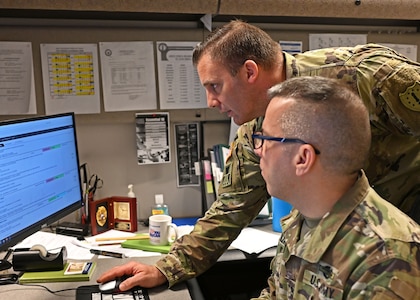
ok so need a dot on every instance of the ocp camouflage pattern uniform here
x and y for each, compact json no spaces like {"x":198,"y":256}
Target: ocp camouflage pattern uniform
{"x":364,"y":248}
{"x":389,"y":85}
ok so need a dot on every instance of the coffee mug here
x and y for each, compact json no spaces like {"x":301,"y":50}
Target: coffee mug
{"x":162,"y":231}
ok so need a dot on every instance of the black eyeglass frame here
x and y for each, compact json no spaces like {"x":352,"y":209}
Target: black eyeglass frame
{"x":258,"y":136}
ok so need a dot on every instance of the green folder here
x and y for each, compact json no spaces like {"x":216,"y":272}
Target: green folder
{"x":55,"y":276}
{"x":145,"y":245}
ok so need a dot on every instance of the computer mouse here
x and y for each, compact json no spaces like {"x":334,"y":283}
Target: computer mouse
{"x":111,"y":287}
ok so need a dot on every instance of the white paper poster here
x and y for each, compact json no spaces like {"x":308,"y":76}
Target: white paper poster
{"x":71,"y":78}
{"x":326,"y":40}
{"x":179,"y":84}
{"x":152,"y":134}
{"x":128,"y":76}
{"x":408,"y":50}
{"x":17,"y":86}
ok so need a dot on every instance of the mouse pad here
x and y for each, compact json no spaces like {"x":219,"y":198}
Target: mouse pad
{"x":145,"y":245}
{"x":89,"y":292}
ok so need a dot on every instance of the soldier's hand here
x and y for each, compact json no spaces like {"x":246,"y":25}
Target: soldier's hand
{"x":146,"y":276}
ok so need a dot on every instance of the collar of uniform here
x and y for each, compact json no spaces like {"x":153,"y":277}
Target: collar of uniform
{"x":315,"y":243}
{"x":291,"y":65}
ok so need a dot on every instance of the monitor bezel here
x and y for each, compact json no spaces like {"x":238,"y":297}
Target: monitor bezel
{"x":53,"y":218}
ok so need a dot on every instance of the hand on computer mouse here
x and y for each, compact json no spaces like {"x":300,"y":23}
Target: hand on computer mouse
{"x":112,"y":287}
{"x":146,"y":276}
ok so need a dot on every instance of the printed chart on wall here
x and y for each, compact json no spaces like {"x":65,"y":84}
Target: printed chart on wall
{"x":179,"y":84}
{"x":152,"y":134}
{"x":128,"y":76}
{"x":70,"y":77}
{"x":187,"y":150}
{"x":326,"y":40}
{"x":17,"y":84}
{"x":406,"y":49}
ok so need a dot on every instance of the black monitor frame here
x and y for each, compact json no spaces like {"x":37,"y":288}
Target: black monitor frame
{"x":18,"y":236}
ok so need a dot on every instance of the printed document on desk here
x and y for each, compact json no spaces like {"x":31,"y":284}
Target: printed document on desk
{"x":252,"y":240}
{"x":116,"y":244}
{"x":111,"y":245}
{"x":80,"y":250}
{"x":53,"y":243}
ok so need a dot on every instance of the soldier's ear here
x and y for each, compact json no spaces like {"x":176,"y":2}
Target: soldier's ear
{"x":251,"y":69}
{"x":304,"y":159}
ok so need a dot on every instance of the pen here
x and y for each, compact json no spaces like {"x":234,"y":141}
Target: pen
{"x":107,"y":253}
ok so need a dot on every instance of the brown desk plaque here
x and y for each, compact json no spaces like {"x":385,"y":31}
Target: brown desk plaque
{"x":113,"y":213}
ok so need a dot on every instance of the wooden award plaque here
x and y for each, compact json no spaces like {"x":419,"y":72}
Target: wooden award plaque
{"x":113,"y":213}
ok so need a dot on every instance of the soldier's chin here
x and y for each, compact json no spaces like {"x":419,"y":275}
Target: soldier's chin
{"x":235,"y":118}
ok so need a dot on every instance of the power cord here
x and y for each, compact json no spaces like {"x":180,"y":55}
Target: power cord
{"x":49,"y":290}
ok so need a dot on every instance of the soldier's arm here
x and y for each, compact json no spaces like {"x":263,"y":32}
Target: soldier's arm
{"x":392,"y":279}
{"x":242,"y":195}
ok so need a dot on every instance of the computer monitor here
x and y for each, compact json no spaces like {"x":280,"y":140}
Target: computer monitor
{"x":39,"y":175}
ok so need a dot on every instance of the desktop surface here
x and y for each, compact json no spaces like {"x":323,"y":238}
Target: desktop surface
{"x":17,"y":291}
{"x":216,"y":283}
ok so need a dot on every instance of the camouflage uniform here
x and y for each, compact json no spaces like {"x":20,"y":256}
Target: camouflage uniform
{"x":365,"y":248}
{"x":390,"y":87}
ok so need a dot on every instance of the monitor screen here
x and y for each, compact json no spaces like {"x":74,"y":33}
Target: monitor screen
{"x":39,"y":175}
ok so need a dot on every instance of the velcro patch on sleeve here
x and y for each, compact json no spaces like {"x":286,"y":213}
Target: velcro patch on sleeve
{"x":411,"y":97}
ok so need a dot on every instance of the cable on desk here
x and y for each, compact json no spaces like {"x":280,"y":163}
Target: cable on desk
{"x":48,"y":290}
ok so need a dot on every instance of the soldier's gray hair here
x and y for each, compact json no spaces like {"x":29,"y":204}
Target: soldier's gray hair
{"x":328,"y":115}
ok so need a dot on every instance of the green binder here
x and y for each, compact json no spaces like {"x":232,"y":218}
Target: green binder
{"x":145,"y":245}
{"x":55,"y":276}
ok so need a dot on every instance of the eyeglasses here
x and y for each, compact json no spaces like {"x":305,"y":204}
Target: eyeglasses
{"x":258,"y":139}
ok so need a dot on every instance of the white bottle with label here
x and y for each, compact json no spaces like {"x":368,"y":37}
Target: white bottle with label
{"x":132,"y":195}
{"x":160,"y":208}
{"x":130,"y":191}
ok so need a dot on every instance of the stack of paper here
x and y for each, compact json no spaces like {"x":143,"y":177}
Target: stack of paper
{"x":255,"y":241}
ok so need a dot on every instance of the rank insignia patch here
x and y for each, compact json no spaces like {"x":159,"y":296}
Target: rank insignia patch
{"x":227,"y":180}
{"x":227,"y":177}
{"x":411,"y":97}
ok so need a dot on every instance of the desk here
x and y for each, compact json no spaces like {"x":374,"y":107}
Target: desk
{"x":235,"y":272}
{"x":15,"y":291}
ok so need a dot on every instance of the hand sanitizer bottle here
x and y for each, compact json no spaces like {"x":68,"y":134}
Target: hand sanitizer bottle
{"x":160,"y":208}
{"x":130,"y":191}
